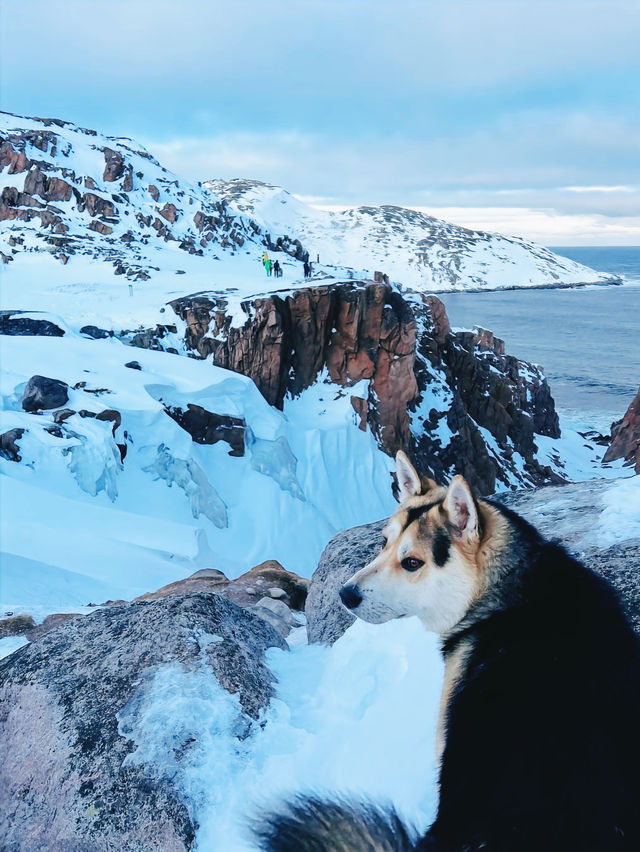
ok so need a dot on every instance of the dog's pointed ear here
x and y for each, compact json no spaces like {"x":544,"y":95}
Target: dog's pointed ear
{"x":462,"y":509}
{"x":409,"y":483}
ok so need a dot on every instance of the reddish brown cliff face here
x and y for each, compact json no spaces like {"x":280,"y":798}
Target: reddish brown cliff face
{"x":404,"y":346}
{"x":625,"y":436}
{"x":354,"y":331}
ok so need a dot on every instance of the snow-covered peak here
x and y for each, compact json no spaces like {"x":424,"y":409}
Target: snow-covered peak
{"x":410,"y":246}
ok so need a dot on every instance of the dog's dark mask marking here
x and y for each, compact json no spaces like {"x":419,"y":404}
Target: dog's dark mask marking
{"x":440,"y":548}
{"x":418,"y":511}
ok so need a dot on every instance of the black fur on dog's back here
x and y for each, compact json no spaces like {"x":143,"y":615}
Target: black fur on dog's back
{"x":542,"y":750}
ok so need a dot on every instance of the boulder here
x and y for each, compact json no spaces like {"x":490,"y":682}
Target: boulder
{"x":13,"y":323}
{"x":96,"y":333}
{"x":268,"y":580}
{"x":114,"y":165}
{"x":345,"y":554}
{"x":205,"y":427}
{"x":133,"y":365}
{"x":625,"y":437}
{"x":42,"y":392}
{"x":9,"y":448}
{"x":65,"y":783}
{"x":205,"y":580}
{"x":16,"y":625}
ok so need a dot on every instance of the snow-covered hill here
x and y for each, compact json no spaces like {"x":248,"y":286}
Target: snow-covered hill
{"x":417,"y":250}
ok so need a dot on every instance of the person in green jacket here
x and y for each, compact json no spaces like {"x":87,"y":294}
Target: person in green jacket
{"x":267,"y":266}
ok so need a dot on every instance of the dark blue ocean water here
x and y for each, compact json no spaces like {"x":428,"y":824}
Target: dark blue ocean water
{"x":587,"y":339}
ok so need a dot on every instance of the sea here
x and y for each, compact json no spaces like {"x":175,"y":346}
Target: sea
{"x":586,"y":338}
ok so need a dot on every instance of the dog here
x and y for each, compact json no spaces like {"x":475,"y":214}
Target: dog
{"x":538,"y":737}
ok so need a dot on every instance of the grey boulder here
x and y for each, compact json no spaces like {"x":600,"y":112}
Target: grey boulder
{"x":64,"y":783}
{"x":42,"y":392}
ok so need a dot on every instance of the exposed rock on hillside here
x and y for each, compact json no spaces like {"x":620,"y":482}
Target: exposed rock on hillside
{"x":431,"y":391}
{"x":65,"y":781}
{"x":569,"y":513}
{"x":42,"y":392}
{"x":625,"y":437}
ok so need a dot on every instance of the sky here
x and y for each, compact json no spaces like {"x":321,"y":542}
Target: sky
{"x":510,"y":115}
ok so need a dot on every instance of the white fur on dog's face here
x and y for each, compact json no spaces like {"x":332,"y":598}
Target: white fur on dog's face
{"x":439,"y":594}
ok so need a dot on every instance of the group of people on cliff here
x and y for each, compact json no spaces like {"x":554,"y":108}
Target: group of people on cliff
{"x":273,"y":268}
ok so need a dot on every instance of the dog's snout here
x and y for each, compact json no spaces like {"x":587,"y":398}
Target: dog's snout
{"x":351,"y":596}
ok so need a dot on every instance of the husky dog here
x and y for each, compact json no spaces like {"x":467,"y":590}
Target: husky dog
{"x":539,"y":731}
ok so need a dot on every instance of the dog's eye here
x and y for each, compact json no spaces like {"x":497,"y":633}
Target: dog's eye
{"x":411,"y":564}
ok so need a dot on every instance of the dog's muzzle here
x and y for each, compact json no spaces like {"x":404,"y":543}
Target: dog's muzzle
{"x":350,"y":596}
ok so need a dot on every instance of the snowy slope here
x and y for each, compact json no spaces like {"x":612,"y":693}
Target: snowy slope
{"x":78,"y":526}
{"x":412,"y":248}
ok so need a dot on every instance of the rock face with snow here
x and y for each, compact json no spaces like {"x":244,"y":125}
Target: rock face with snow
{"x":455,"y":401}
{"x":65,"y":780}
{"x":625,"y":437}
{"x":569,"y":513}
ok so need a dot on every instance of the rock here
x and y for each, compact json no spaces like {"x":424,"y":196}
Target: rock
{"x":169,"y":212}
{"x":16,"y":625}
{"x":9,"y":448}
{"x":133,"y":365}
{"x":64,"y":780}
{"x":13,"y":323}
{"x":100,"y":227}
{"x":51,"y":622}
{"x":205,"y":580}
{"x":569,"y":513}
{"x":42,"y":392}
{"x":277,"y":614}
{"x":114,"y":165}
{"x":205,"y":427}
{"x":62,"y":414}
{"x":154,"y":192}
{"x":625,"y":437}
{"x":259,"y":582}
{"x":96,"y":333}
{"x":345,"y":554}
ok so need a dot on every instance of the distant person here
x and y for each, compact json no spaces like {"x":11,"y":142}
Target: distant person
{"x":265,"y":258}
{"x":267,"y":266}
{"x":310,"y":269}
{"x":277,"y":270}
{"x":307,"y":269}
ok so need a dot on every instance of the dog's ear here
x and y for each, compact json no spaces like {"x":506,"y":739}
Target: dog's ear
{"x":409,"y":483}
{"x":462,"y":510}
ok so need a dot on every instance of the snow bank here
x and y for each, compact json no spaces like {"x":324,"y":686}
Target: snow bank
{"x":355,"y":719}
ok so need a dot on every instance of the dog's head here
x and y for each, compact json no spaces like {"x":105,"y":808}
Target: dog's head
{"x":429,"y":564}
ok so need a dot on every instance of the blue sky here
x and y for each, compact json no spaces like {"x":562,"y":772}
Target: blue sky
{"x":511,"y":114}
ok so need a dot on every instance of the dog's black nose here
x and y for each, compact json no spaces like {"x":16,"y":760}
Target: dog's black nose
{"x":351,"y":596}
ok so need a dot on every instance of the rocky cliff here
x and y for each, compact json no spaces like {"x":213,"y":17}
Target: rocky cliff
{"x":454,"y":400}
{"x":625,"y":437}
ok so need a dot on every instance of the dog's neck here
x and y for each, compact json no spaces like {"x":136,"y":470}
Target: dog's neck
{"x":502,"y":555}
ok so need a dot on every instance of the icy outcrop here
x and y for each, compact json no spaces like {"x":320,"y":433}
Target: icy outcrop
{"x":190,"y":478}
{"x":275,"y":459}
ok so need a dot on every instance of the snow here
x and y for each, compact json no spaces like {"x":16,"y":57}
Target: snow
{"x":620,"y":518}
{"x":357,"y":718}
{"x":9,"y":644}
{"x":86,"y":528}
